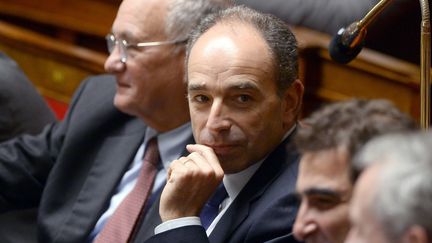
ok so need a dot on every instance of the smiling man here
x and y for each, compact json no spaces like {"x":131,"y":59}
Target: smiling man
{"x":327,"y":140}
{"x":244,"y":99}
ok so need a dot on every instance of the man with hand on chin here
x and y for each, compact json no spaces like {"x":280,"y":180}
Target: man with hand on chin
{"x":244,"y":98}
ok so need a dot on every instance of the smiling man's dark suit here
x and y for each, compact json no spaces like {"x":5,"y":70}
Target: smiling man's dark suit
{"x":263,"y":211}
{"x":73,"y":167}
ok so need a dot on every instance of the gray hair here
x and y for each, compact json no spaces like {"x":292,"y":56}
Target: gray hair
{"x":279,"y":38}
{"x":184,"y":15}
{"x":404,"y":192}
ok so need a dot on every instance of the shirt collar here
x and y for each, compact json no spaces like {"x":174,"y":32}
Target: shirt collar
{"x":171,"y":144}
{"x":234,"y":183}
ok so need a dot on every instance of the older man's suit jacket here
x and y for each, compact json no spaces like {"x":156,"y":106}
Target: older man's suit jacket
{"x":72,"y":168}
{"x":22,"y":111}
{"x":263,"y":211}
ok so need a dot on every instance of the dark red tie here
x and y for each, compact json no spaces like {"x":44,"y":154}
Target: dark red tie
{"x":120,"y":226}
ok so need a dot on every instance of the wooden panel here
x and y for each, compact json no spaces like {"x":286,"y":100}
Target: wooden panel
{"x":370,"y":75}
{"x":82,"y":16}
{"x":56,"y":68}
{"x":80,"y":22}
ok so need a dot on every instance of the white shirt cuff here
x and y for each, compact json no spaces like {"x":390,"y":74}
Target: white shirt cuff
{"x":177,"y":223}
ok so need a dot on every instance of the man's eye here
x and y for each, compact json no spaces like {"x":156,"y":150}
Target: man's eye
{"x":201,"y":98}
{"x":244,"y":98}
{"x":133,"y":48}
{"x":324,"y":203}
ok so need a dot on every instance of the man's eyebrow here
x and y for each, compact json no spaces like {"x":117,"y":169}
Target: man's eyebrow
{"x":126,"y":35}
{"x":323,"y":192}
{"x":193,"y":87}
{"x":234,"y":86}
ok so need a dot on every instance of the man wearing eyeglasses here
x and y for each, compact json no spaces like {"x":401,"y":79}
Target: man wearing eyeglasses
{"x":80,"y":172}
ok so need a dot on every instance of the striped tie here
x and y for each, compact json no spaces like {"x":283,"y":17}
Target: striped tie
{"x":120,"y":228}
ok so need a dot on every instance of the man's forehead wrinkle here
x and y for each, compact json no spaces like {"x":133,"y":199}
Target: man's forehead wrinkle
{"x":240,"y":69}
{"x":130,"y":34}
{"x":139,"y":26}
{"x":245,"y":68}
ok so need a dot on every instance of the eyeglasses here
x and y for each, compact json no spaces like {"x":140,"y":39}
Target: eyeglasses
{"x":112,"y":42}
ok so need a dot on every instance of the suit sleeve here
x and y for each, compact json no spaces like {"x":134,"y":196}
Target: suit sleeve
{"x":22,"y":108}
{"x":26,"y":161}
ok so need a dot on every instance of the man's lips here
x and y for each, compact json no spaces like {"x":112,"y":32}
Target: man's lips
{"x":222,"y":149}
{"x":123,"y":83}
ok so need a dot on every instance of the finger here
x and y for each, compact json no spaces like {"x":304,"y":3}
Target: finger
{"x":177,"y":170}
{"x":208,"y":154}
{"x":202,"y":163}
{"x":188,"y":162}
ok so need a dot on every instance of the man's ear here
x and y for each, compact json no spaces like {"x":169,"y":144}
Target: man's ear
{"x":293,"y":98}
{"x":416,"y":234}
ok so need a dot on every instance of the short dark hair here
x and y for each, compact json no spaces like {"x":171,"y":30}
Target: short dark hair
{"x":279,"y":38}
{"x":349,"y":125}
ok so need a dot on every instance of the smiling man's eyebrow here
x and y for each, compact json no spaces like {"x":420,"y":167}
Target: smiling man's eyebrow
{"x":322,"y":191}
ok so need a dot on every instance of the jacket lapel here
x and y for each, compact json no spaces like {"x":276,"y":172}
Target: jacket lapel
{"x":152,"y":217}
{"x":238,"y":211}
{"x":113,"y":159}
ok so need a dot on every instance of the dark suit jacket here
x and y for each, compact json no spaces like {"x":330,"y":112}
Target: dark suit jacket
{"x":264,"y":210}
{"x":72,"y":168}
{"x":22,"y":110}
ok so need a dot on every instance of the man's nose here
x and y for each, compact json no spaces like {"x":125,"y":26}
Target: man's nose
{"x":304,"y":225}
{"x":218,"y":119}
{"x":113,"y":63}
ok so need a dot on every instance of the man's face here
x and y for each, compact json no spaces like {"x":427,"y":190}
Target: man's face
{"x":364,"y":224}
{"x":233,"y":100}
{"x":151,"y":80}
{"x":325,"y":188}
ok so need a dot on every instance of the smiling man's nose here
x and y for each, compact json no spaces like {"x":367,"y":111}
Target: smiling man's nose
{"x":113,"y":63}
{"x":303,"y":225}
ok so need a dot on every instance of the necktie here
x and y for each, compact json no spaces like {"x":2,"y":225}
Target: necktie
{"x":211,"y":208}
{"x":120,"y":226}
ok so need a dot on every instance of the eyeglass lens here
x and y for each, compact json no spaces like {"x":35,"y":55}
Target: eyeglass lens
{"x":112,"y":42}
